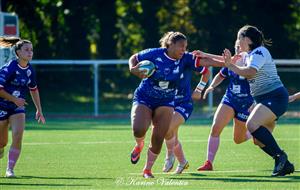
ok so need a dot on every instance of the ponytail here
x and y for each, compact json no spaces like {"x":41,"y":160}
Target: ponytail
{"x":9,"y":41}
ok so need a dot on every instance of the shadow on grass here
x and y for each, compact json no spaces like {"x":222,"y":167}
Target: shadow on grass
{"x":42,"y":185}
{"x":79,"y":178}
{"x":70,"y":128}
{"x":12,"y":182}
{"x":241,"y":178}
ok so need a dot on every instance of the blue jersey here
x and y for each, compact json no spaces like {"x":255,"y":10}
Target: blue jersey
{"x":184,"y":92}
{"x":16,"y":80}
{"x":163,"y":83}
{"x":238,"y":86}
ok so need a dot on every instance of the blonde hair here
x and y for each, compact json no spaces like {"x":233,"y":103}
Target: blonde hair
{"x":171,"y":37}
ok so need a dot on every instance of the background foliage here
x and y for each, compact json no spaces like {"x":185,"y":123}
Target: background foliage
{"x":65,"y":29}
{"x":115,"y":29}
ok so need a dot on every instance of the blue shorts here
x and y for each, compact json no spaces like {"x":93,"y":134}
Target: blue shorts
{"x":185,"y":109}
{"x":240,"y":106}
{"x":150,"y":102}
{"x":276,"y":100}
{"x":6,"y":113}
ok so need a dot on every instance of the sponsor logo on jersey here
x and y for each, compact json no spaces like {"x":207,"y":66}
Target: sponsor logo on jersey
{"x":28,"y":72}
{"x":167,"y":71}
{"x":2,"y":113}
{"x":258,"y":52}
{"x":158,"y":59}
{"x":175,"y":71}
{"x":16,"y":93}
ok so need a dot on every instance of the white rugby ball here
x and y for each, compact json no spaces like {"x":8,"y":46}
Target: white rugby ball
{"x":147,"y":66}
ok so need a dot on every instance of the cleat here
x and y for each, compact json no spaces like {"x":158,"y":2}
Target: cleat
{"x":147,"y":174}
{"x":1,"y":152}
{"x":135,"y":154}
{"x":207,"y":166}
{"x":280,"y":161}
{"x":287,"y":169}
{"x":169,"y":163}
{"x":10,"y":173}
{"x":182,"y":167}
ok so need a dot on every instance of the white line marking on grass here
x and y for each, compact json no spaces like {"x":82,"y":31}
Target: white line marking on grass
{"x":202,"y":172}
{"x":129,"y":142}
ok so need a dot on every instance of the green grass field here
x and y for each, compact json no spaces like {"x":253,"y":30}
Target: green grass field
{"x":95,"y":155}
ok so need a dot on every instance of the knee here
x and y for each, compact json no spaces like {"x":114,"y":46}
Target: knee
{"x":17,"y":136}
{"x":138,"y":132}
{"x":238,"y":140}
{"x":169,"y":135}
{"x":251,"y":125}
{"x":3,"y":144}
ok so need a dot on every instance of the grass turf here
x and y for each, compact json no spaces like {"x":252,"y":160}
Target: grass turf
{"x":95,"y":155}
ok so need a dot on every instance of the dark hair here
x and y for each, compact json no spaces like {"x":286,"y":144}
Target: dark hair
{"x":255,"y":35}
{"x":171,"y":37}
{"x":13,"y":41}
{"x":20,"y":43}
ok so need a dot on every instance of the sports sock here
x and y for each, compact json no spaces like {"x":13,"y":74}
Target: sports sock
{"x":267,"y":150}
{"x":178,"y":151}
{"x":170,"y":146}
{"x":212,"y":147}
{"x":248,"y":135}
{"x":264,"y":136}
{"x":151,"y":157}
{"x":13,"y":156}
{"x":139,"y":141}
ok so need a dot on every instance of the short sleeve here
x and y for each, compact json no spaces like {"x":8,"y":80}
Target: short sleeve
{"x":224,"y":72}
{"x":32,"y":79}
{"x":257,"y":59}
{"x":146,"y":54}
{"x":5,"y":72}
{"x":190,"y":62}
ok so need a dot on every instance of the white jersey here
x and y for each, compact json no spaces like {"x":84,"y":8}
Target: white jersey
{"x":266,"y":78}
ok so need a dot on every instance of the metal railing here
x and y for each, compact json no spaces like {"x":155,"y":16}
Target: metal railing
{"x":96,"y":63}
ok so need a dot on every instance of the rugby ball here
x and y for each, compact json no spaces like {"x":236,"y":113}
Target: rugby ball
{"x":147,"y":66}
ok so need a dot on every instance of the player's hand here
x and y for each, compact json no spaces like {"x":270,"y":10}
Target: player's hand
{"x":208,"y":90}
{"x":227,"y":57}
{"x":20,"y":102}
{"x":137,"y":72}
{"x":196,"y":95}
{"x":40,"y":117}
{"x":292,"y":98}
{"x":198,"y":53}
